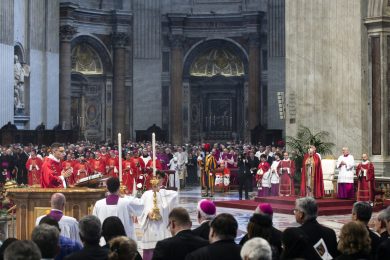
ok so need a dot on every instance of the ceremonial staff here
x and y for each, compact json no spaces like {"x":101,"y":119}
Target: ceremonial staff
{"x":154,"y":182}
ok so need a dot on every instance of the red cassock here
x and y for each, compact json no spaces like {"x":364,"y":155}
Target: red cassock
{"x":264,"y":166}
{"x":51,"y":172}
{"x":98,"y":166}
{"x":128,"y":176}
{"x":286,"y":169}
{"x":104,"y":157}
{"x":149,"y":172}
{"x":80,"y":170}
{"x":317,"y":180}
{"x":34,"y":168}
{"x":366,"y":181}
{"x":112,"y":166}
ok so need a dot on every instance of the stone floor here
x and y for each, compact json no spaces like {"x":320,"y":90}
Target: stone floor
{"x":189,"y":197}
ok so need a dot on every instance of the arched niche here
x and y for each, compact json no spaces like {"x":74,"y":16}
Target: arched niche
{"x":91,"y":88}
{"x":214,"y":82}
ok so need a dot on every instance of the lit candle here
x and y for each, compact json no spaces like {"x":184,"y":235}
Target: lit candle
{"x":120,"y":156}
{"x":154,"y":153}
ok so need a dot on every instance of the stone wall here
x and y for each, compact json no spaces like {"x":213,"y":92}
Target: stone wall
{"x":31,"y":27}
{"x":326,"y":61}
{"x":6,"y":61}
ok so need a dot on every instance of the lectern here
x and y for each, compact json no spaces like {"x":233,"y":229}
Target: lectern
{"x":34,"y":202}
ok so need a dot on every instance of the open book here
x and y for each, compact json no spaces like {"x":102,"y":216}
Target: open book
{"x":322,"y":250}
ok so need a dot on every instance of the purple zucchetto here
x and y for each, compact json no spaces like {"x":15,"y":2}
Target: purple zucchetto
{"x":207,"y":208}
{"x":264,"y":208}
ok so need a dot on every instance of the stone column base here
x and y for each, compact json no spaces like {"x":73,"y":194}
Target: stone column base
{"x":382,"y":165}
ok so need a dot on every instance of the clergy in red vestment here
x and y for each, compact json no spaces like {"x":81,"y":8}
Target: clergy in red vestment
{"x":366,"y":180}
{"x":286,"y":169}
{"x":263,"y":177}
{"x":149,"y":172}
{"x":98,"y":165}
{"x":53,"y":176}
{"x":34,"y":167}
{"x":103,"y":154}
{"x":81,"y":169}
{"x":68,"y":165}
{"x":112,"y":165}
{"x":312,"y":181}
{"x":128,"y":176}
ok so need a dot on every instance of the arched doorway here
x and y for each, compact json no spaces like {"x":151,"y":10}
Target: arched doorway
{"x":215,"y":85}
{"x":91,"y":99}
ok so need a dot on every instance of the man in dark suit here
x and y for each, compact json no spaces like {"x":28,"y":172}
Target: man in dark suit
{"x":21,"y":160}
{"x":90,"y":232}
{"x":383,"y":250}
{"x":276,"y":235}
{"x":223,"y":231}
{"x":182,"y":242}
{"x":244,"y":175}
{"x":47,"y":239}
{"x":206,"y":213}
{"x":253,"y":162}
{"x":361,"y":212}
{"x":306,"y":211}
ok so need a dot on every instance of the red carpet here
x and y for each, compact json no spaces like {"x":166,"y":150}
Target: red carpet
{"x":327,"y":206}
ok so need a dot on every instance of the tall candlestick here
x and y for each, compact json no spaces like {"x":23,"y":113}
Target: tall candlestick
{"x":154,"y":153}
{"x":120,"y":156}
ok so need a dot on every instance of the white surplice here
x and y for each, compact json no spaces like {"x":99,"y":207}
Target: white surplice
{"x":346,"y":171}
{"x":155,"y":231}
{"x":124,"y":209}
{"x":68,"y":225}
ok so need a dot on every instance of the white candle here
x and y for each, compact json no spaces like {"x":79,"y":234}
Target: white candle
{"x":154,"y":153}
{"x":120,"y":156}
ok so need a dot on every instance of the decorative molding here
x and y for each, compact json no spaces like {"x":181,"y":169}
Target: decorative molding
{"x":177,"y":41}
{"x":254,"y":40}
{"x":67,"y":32}
{"x":119,"y":39}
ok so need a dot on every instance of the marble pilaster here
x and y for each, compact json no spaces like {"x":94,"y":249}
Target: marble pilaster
{"x":176,"y":89}
{"x":254,"y":81}
{"x":377,"y":23}
{"x":66,"y":35}
{"x":120,"y":40}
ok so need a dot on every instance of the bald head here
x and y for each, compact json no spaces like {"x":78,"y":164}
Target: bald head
{"x":58,"y":201}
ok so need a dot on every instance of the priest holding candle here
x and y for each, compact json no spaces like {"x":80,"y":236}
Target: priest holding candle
{"x":157,"y":205}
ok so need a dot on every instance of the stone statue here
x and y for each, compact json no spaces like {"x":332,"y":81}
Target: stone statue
{"x":20,"y":72}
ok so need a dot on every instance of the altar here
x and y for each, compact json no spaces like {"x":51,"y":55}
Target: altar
{"x":34,"y":202}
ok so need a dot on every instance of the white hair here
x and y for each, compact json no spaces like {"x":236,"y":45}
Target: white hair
{"x":256,"y":248}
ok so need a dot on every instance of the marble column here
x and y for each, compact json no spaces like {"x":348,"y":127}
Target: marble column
{"x":379,"y":86}
{"x":176,"y":117}
{"x":119,"y":40}
{"x":254,"y":81}
{"x":66,"y":35}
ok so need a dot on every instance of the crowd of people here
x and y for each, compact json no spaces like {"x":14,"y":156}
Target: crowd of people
{"x":109,"y":234}
{"x":192,"y":164}
{"x":269,"y":168}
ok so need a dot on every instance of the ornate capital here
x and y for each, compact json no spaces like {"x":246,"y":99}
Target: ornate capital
{"x":119,"y":39}
{"x":176,"y":40}
{"x":67,"y":32}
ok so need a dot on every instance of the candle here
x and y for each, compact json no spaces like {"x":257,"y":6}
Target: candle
{"x":154,"y":153}
{"x":120,"y":156}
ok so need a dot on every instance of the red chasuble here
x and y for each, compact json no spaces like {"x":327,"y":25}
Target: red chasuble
{"x":286,"y":169}
{"x":51,"y":172}
{"x":366,"y":184}
{"x":34,"y":168}
{"x":317,"y":180}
